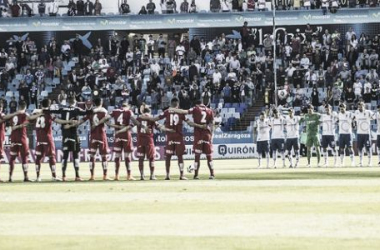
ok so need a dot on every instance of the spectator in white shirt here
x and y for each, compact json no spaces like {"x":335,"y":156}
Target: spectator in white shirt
{"x":234,"y":64}
{"x":155,"y":67}
{"x":358,"y":87}
{"x":216,"y":77}
{"x":305,"y":62}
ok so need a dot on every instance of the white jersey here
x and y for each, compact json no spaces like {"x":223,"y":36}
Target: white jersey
{"x":329,"y":123}
{"x":377,"y":117}
{"x":278,"y":125}
{"x":292,"y":127}
{"x":363,"y":122}
{"x":345,"y":122}
{"x":263,"y":129}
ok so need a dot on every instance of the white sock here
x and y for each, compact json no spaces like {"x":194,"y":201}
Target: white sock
{"x":370,"y":157}
{"x":274,"y":157}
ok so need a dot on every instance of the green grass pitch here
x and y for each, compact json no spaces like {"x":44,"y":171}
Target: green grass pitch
{"x":244,"y":208}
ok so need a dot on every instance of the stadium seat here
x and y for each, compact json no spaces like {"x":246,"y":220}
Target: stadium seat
{"x":235,"y":105}
{"x":241,"y":110}
{"x":56,"y":81}
{"x":32,"y":107}
{"x":9,"y":94}
{"x":44,"y":94}
{"x":243,"y":105}
{"x":227,"y":105}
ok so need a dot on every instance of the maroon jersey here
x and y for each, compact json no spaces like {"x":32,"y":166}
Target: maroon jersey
{"x":19,"y":135}
{"x":173,"y":121}
{"x":2,"y":130}
{"x":202,"y":115}
{"x":145,"y":136}
{"x":43,"y":128}
{"x":98,"y":133}
{"x":122,"y":118}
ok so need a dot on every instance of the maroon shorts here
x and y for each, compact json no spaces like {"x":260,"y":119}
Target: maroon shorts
{"x":175,"y":146}
{"x":21,"y":148}
{"x":45,"y":149}
{"x":123,"y":145}
{"x":99,"y":144}
{"x":202,"y":143}
{"x":147,"y":150}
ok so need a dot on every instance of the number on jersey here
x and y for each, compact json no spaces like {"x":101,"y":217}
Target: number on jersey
{"x":40,"y":122}
{"x":174,"y":119}
{"x":144,"y":124}
{"x":204,"y":114}
{"x":120,"y":119}
{"x":15,"y":120}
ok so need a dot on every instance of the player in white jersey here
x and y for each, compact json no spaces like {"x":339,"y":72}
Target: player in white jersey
{"x":262,"y":130}
{"x":377,"y":117}
{"x":363,"y":130}
{"x":278,"y":137}
{"x":329,"y":121}
{"x":292,"y":137}
{"x":345,"y":133}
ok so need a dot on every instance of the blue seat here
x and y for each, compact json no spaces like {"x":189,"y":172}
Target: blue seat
{"x":243,"y":105}
{"x":235,"y":105}
{"x":227,"y":105}
{"x":240,"y":110}
{"x":231,"y":120}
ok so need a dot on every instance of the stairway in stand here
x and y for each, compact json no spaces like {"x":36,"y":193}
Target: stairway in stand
{"x":249,"y":115}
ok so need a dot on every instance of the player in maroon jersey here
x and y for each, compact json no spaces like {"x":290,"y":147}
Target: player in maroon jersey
{"x":202,"y":136}
{"x":123,"y":140}
{"x":98,"y":137}
{"x":3,"y":119}
{"x":145,"y":142}
{"x":19,"y":145}
{"x":174,"y":140}
{"x":45,"y":144}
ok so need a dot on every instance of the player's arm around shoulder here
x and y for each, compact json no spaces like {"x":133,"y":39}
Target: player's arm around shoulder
{"x":179,"y":111}
{"x":36,"y":113}
{"x":162,"y":128}
{"x":9,"y":116}
{"x":123,"y":129}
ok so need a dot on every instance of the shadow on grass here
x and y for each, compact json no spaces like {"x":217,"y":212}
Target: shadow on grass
{"x":312,"y":175}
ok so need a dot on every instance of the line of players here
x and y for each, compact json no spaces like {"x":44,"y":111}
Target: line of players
{"x":272,"y":130}
{"x":71,"y":117}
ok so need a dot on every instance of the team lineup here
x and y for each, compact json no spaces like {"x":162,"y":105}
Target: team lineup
{"x":280,"y":133}
{"x":271,"y":132}
{"x":122,"y":120}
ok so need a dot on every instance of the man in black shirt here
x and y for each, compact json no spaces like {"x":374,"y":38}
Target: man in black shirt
{"x":124,"y":8}
{"x":80,"y":8}
{"x":70,"y":139}
{"x":151,"y":7}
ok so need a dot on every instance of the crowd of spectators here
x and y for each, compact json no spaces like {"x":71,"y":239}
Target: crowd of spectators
{"x":313,"y":67}
{"x":323,"y":67}
{"x":94,"y":7}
